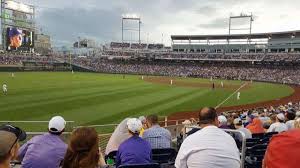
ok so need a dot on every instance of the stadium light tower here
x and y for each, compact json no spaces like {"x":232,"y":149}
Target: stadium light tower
{"x":132,"y":17}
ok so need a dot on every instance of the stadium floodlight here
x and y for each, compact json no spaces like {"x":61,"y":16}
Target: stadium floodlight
{"x":17,"y":6}
{"x":133,"y":17}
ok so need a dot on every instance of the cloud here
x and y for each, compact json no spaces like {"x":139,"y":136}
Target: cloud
{"x":65,"y":20}
{"x":215,"y":24}
{"x":70,"y":23}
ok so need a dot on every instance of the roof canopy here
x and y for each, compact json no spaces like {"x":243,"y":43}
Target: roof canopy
{"x":287,"y":34}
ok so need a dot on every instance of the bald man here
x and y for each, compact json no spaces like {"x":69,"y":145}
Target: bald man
{"x":209,"y":147}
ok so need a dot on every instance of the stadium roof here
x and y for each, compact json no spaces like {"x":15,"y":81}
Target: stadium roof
{"x":286,"y":34}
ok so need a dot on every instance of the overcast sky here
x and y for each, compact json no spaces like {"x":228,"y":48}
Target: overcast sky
{"x":66,"y":20}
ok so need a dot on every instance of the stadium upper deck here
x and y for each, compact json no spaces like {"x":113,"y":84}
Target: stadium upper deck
{"x":288,"y":41}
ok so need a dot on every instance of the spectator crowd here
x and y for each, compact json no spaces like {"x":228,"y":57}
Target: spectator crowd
{"x":284,"y":74}
{"x":207,"y":144}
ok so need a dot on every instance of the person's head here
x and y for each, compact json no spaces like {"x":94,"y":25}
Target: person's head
{"x":266,"y":125}
{"x":134,"y":126}
{"x":144,"y":121}
{"x":222,"y":120}
{"x":208,"y":116}
{"x":83,"y":149}
{"x":152,"y":120}
{"x":290,"y":115}
{"x":57,"y":125}
{"x":15,"y":37}
{"x":280,"y":118}
{"x":273,"y":118}
{"x":237,"y":123}
{"x":9,"y":143}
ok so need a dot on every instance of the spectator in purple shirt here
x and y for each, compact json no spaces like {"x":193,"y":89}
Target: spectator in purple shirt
{"x":47,"y":150}
{"x":134,"y":150}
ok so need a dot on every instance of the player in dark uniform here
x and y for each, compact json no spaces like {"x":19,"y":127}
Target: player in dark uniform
{"x":213,"y":85}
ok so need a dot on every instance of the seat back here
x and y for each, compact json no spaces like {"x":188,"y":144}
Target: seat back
{"x":258,"y":135}
{"x":150,"y":165}
{"x":252,"y":141}
{"x":166,"y":155}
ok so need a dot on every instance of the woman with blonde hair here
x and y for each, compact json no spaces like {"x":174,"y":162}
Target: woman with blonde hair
{"x":83,"y":150}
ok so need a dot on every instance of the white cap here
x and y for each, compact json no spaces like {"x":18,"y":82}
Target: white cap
{"x":222,"y":119}
{"x":280,"y":116}
{"x":134,"y":125}
{"x":57,"y":123}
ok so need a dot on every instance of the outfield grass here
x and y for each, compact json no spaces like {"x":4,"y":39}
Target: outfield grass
{"x":93,"y":98}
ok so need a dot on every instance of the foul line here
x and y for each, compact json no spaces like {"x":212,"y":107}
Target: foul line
{"x":231,"y":95}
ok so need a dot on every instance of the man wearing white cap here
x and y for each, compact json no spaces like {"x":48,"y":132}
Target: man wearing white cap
{"x":279,"y":125}
{"x":45,"y":150}
{"x":134,"y":150}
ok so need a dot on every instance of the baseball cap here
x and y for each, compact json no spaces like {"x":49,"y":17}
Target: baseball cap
{"x":9,"y":136}
{"x":280,"y":116}
{"x":57,"y":124}
{"x":134,"y":125}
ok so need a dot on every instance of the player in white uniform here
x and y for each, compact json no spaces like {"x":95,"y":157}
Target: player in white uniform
{"x":4,"y":88}
{"x":171,"y":82}
{"x":238,"y":95}
{"x":13,"y":75}
{"x":222,"y":84}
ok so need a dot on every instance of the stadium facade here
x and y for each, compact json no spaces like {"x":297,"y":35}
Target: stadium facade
{"x":276,"y":42}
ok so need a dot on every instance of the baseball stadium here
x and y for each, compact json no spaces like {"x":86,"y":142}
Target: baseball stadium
{"x":232,"y":100}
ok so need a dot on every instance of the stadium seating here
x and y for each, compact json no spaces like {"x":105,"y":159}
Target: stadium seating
{"x":151,"y":165}
{"x":164,"y":156}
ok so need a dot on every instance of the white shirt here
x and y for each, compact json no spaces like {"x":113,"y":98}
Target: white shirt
{"x":210,"y":147}
{"x":4,"y":87}
{"x":277,"y":127}
{"x":290,"y":124}
{"x":246,"y":132}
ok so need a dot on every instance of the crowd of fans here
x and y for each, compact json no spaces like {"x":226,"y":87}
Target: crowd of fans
{"x":289,"y":75}
{"x":142,"y":46}
{"x":207,"y":143}
{"x":11,"y":59}
{"x":288,"y":57}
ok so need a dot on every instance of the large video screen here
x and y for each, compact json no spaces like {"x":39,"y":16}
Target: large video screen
{"x":18,"y":39}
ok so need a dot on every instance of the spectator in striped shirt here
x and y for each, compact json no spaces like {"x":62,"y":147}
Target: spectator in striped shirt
{"x":157,"y":136}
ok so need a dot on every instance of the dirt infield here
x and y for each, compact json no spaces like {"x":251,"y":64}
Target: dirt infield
{"x":167,"y":80}
{"x":295,"y":97}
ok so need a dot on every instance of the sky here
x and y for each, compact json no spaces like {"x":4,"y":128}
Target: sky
{"x":68,"y":20}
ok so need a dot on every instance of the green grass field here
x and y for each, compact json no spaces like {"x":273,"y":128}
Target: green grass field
{"x":93,"y":98}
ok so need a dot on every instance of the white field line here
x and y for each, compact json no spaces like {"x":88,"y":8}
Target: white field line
{"x":224,"y":101}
